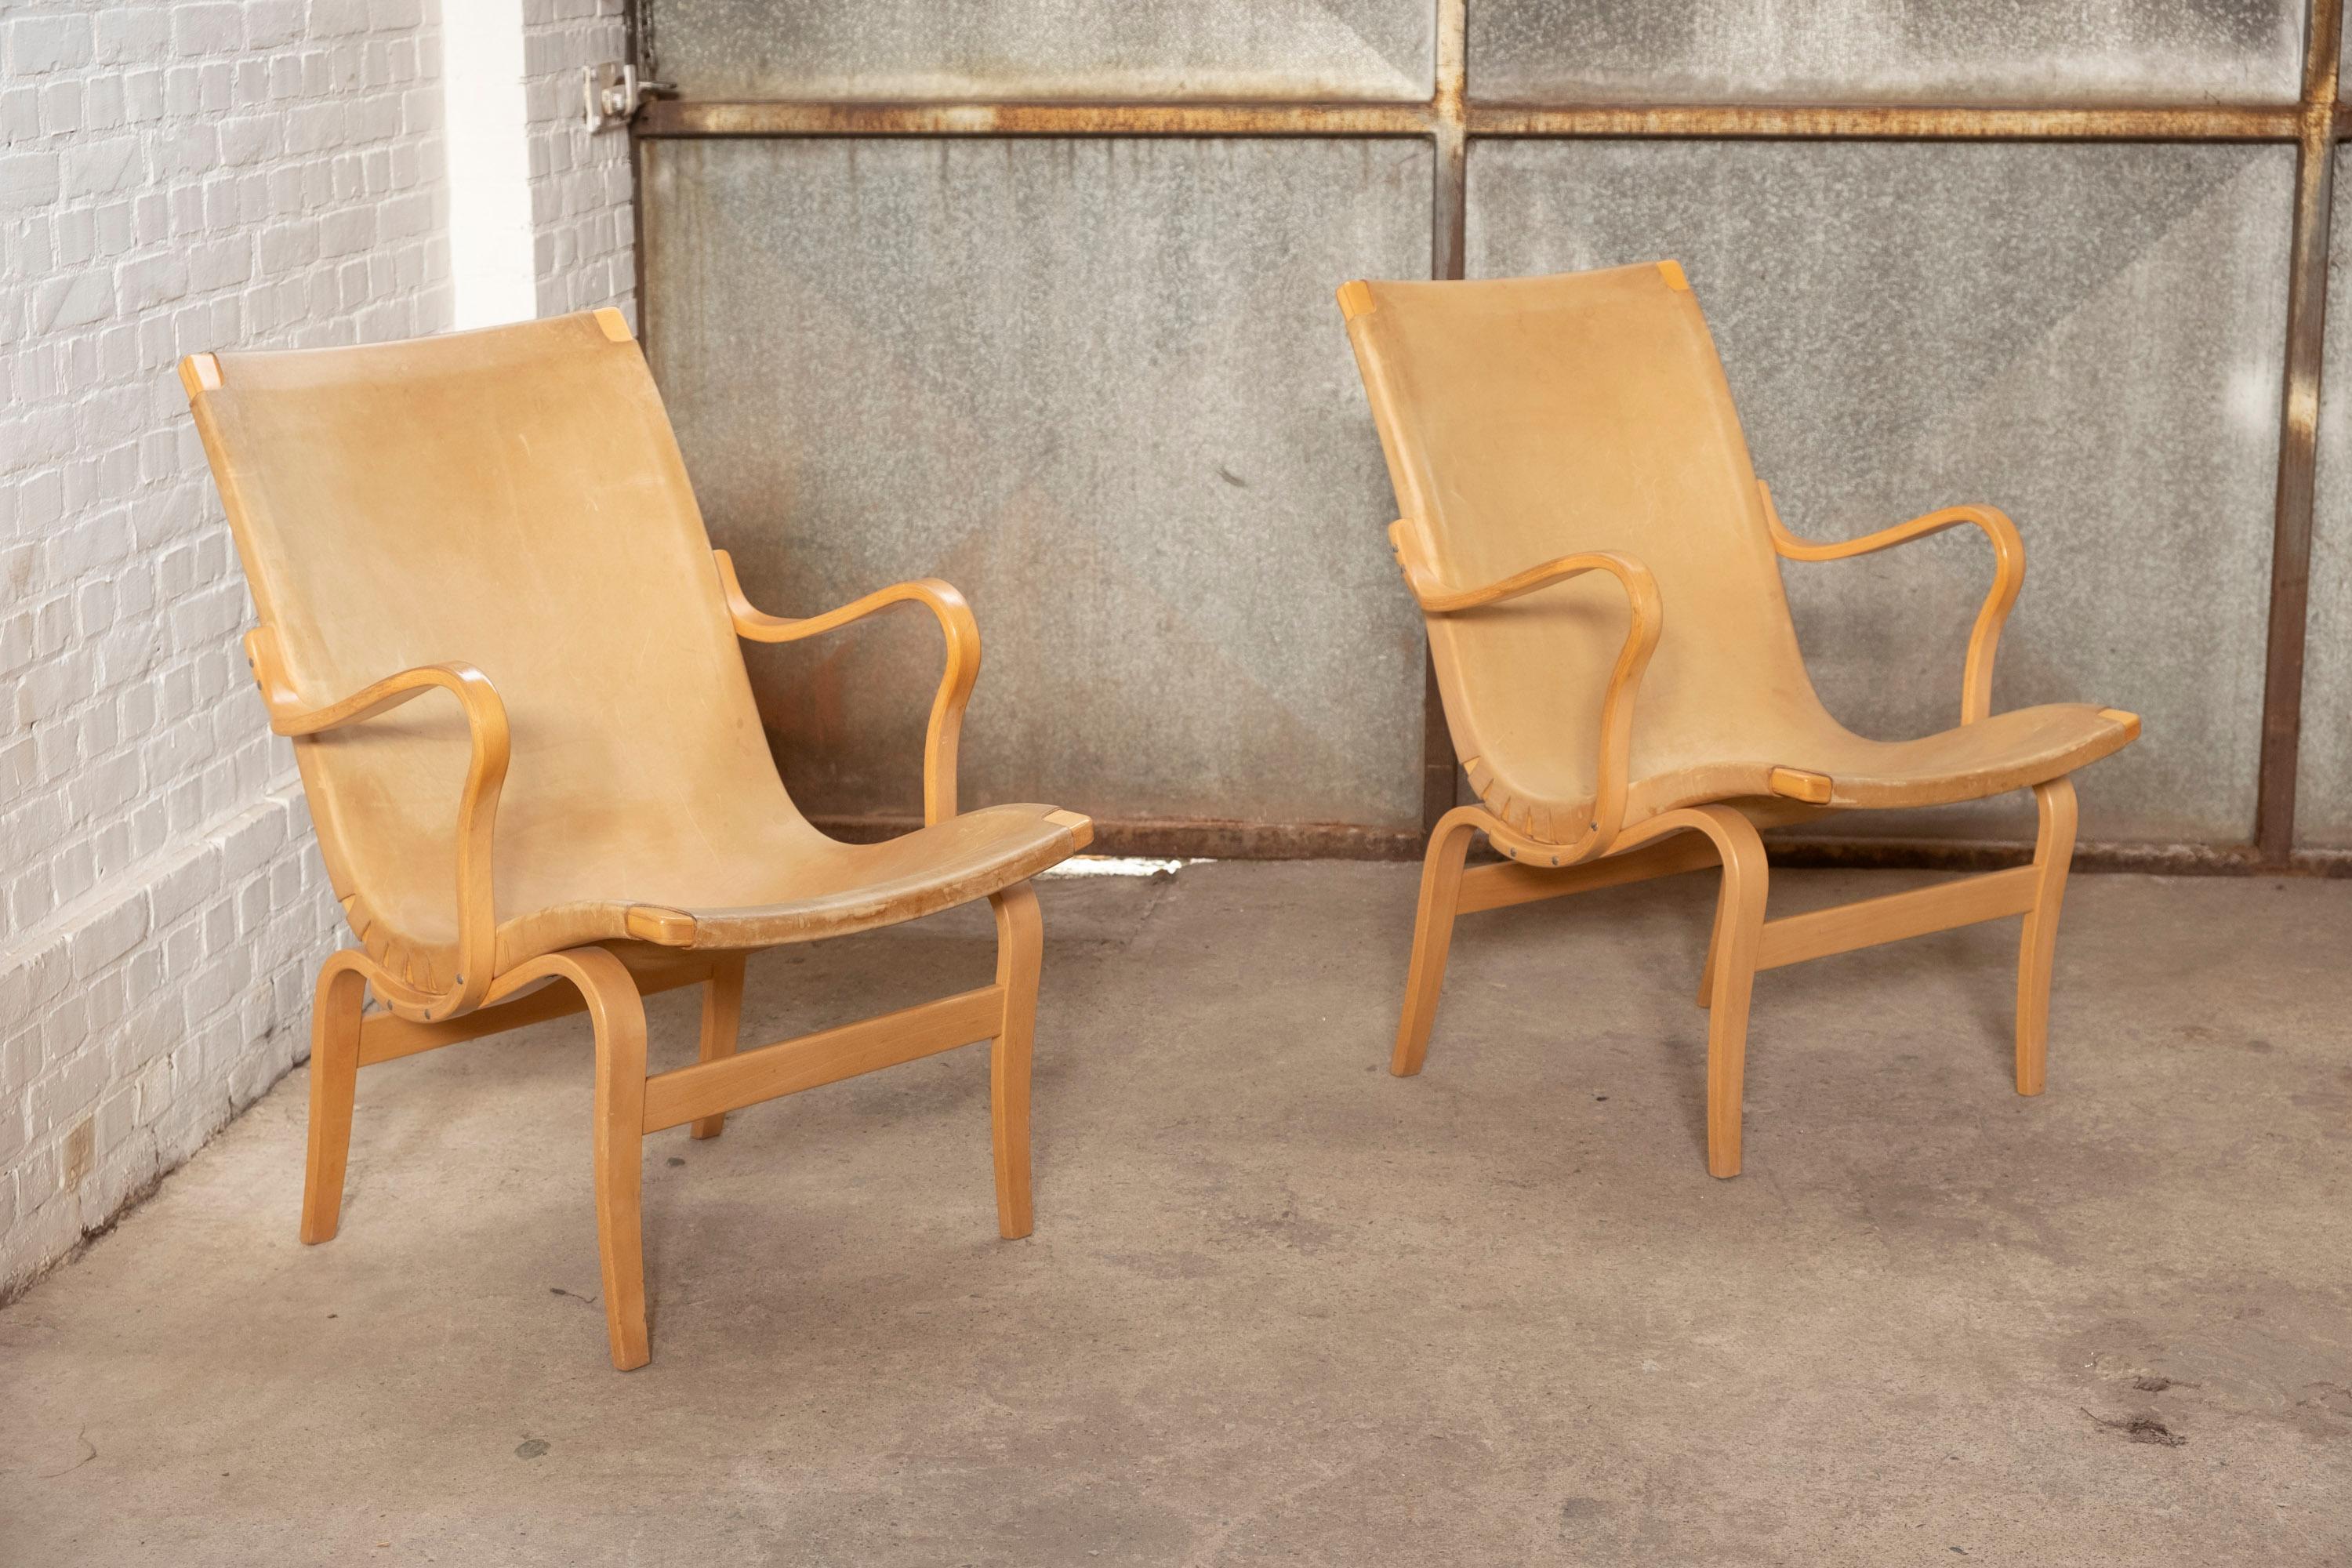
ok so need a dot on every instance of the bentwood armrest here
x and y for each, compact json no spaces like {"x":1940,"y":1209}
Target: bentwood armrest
{"x":2007,"y":577}
{"x":1612,"y":771}
{"x":477,"y":806}
{"x":955,"y":624}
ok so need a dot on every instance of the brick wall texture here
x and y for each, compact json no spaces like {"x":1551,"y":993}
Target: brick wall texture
{"x":180,"y":176}
{"x":583,"y":200}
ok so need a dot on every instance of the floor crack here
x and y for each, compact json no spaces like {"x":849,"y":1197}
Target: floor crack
{"x":89,"y":1452}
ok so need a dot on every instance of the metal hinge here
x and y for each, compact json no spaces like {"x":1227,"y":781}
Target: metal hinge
{"x":613,"y":94}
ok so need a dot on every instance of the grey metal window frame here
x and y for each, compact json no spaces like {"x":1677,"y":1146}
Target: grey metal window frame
{"x":1449,"y":121}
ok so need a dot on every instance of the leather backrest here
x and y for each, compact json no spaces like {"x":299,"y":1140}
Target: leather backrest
{"x":1526,"y":419}
{"x":512,"y":499}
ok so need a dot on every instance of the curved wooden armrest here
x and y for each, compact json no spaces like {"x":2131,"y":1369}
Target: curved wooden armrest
{"x":2007,"y":577}
{"x":1614,"y":772}
{"x":962,"y":633}
{"x":477,"y":806}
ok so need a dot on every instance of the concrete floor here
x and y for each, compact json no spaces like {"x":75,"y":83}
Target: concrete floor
{"x":1281,"y":1306}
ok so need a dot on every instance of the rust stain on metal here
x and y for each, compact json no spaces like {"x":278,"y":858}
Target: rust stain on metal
{"x":2323,"y":55}
{"x":1911,"y":122}
{"x":2318,"y":863}
{"x":777,"y":117}
{"x":1453,"y":84}
{"x":1449,"y":118}
{"x":1185,"y":840}
{"x":1996,"y":855}
{"x":1215,"y":840}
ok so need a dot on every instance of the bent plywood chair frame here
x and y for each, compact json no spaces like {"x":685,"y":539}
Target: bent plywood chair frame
{"x":1543,"y":431}
{"x":383,"y":498}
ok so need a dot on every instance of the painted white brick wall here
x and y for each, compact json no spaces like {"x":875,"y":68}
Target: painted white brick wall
{"x":584,"y":196}
{"x":177,"y":175}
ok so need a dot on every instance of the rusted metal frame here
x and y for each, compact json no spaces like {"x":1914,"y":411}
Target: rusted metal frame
{"x":638,"y":246}
{"x":637,"y":46}
{"x":779,"y":116}
{"x":2307,"y":325}
{"x":1888,"y":121}
{"x":1998,"y":854}
{"x":1191,"y":837}
{"x":1450,"y":120}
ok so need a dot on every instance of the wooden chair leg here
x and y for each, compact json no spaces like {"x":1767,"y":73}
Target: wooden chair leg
{"x":1706,"y":970}
{"x":617,"y":1137}
{"x":1020,"y":949}
{"x":722,"y":1019}
{"x":1731,"y":958}
{"x":335,"y":1010}
{"x":2054,"y":853}
{"x":1433,"y":936}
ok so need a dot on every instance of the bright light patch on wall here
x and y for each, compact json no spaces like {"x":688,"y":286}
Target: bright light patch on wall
{"x":2253,"y":395}
{"x":492,"y":270}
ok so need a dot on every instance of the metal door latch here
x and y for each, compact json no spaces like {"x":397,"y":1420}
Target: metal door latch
{"x":613,"y":93}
